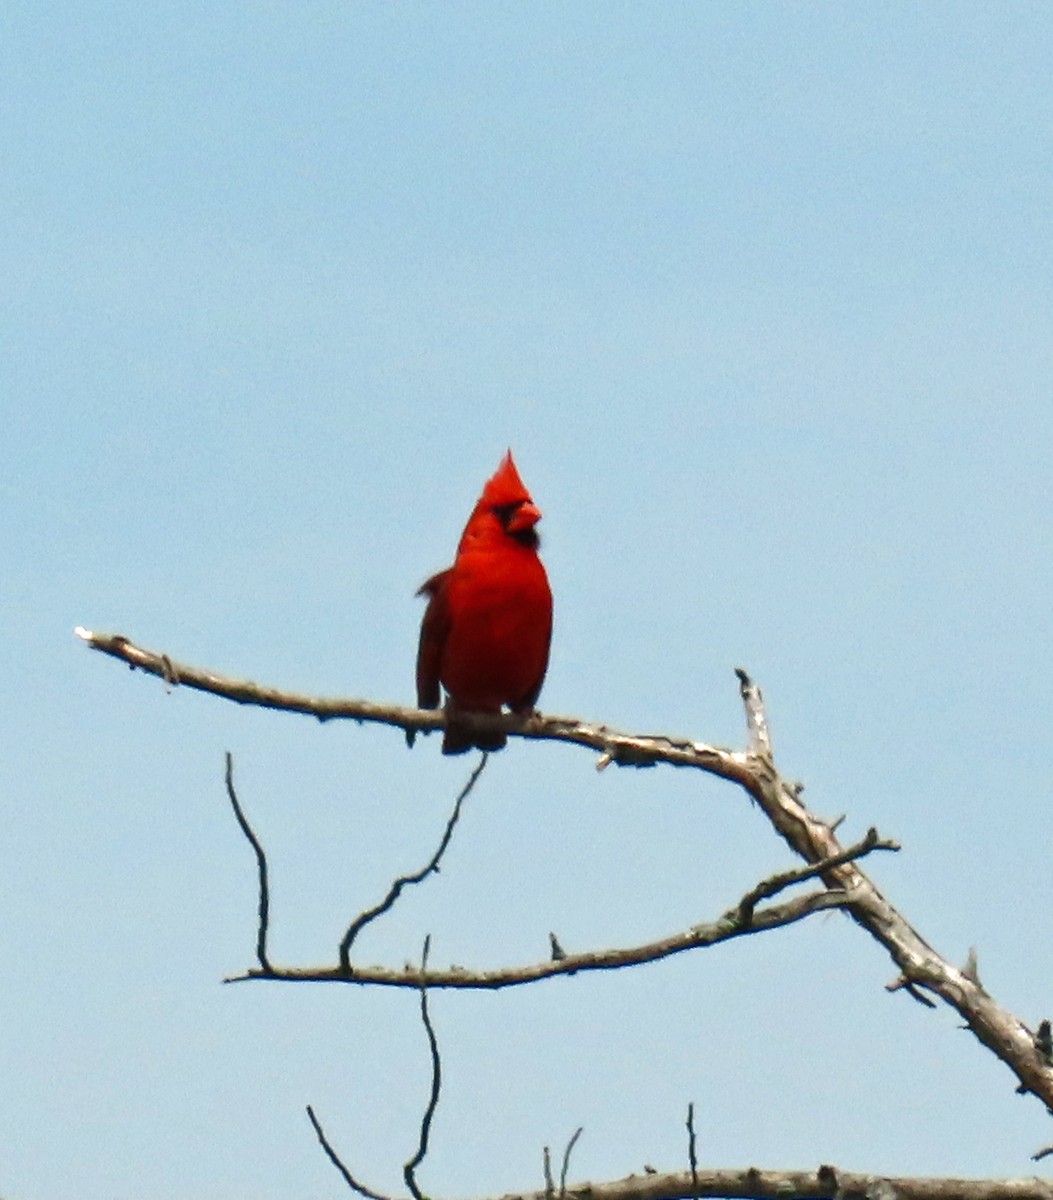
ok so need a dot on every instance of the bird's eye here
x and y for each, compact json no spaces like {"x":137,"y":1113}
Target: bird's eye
{"x":505,"y":512}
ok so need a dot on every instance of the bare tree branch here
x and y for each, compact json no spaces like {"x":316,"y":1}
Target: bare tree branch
{"x":692,"y":1150}
{"x":261,"y":863}
{"x":776,"y":883}
{"x":728,"y":926}
{"x":920,"y":965}
{"x":756,"y":717}
{"x":911,"y":990}
{"x":546,"y":1162}
{"x":620,"y":748}
{"x":754,"y":1184}
{"x":371,"y":914}
{"x":335,"y":1159}
{"x":566,"y":1159}
{"x":739,"y":920}
{"x":922,"y":968}
{"x":409,"y":1172}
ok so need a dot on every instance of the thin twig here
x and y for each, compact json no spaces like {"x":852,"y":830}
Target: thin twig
{"x":904,"y":984}
{"x":692,"y":1155}
{"x":261,"y":863}
{"x":371,"y":914}
{"x":410,"y":1169}
{"x":776,"y":883}
{"x":334,"y":1158}
{"x":546,"y":1160}
{"x":566,"y":1160}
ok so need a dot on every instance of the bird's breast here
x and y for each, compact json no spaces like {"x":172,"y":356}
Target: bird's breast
{"x":500,"y":608}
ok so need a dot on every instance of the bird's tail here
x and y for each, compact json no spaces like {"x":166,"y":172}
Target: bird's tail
{"x":458,"y":738}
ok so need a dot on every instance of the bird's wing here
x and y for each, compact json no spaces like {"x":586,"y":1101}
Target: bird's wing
{"x":434,"y":630}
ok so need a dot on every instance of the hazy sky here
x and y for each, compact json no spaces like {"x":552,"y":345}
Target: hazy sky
{"x":761,"y":296}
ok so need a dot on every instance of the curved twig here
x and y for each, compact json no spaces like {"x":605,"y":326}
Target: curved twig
{"x":261,"y":864}
{"x":337,"y":1162}
{"x":784,"y":879}
{"x":566,"y":1159}
{"x":371,"y":914}
{"x":409,"y":1171}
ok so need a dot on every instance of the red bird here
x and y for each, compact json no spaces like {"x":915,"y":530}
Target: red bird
{"x":487,"y":628}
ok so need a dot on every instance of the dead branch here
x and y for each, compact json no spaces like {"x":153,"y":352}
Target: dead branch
{"x":335,"y":1159}
{"x":754,"y":1184}
{"x":409,"y":1172}
{"x":546,"y":1160}
{"x":410,"y":1168}
{"x":742,"y":918}
{"x":756,"y":717}
{"x":403,"y":881}
{"x":620,"y":748}
{"x":921,"y":967}
{"x":261,"y":866}
{"x":566,"y":1159}
{"x":728,"y":926}
{"x":364,"y":918}
{"x":784,"y":879}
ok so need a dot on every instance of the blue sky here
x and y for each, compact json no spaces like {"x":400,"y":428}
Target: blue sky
{"x":760,"y":296}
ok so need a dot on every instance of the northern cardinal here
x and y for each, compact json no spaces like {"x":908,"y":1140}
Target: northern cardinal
{"x":486,"y":631}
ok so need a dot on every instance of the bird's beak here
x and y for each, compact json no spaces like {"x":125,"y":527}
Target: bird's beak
{"x":526,"y":515}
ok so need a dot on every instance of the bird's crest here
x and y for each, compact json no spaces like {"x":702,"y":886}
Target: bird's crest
{"x":504,"y":486}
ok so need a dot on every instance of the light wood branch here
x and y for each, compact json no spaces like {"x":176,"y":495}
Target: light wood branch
{"x":921,"y":969}
{"x":739,"y":920}
{"x":754,"y":1184}
{"x":456,"y":977}
{"x":622,"y":749}
{"x":742,"y":918}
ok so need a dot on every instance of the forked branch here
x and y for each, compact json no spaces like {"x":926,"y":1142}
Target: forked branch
{"x":743,"y":917}
{"x":921,"y":969}
{"x":409,"y":1171}
{"x":404,"y":881}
